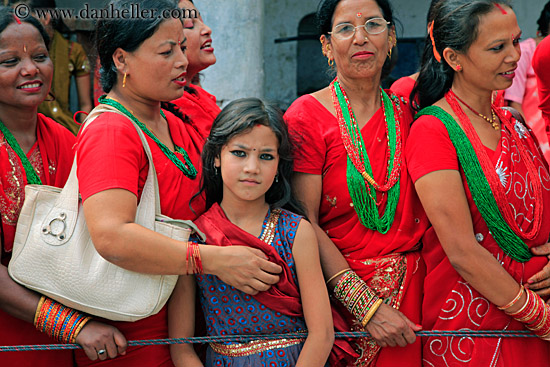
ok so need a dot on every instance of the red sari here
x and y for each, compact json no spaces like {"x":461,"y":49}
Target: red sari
{"x":200,"y":106}
{"x":52,"y":158}
{"x":110,"y":155}
{"x":450,"y":303}
{"x":389,"y":263}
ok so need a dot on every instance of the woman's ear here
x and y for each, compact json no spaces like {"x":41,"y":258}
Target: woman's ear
{"x":327,"y":47}
{"x":451,"y":57}
{"x":120,"y":60}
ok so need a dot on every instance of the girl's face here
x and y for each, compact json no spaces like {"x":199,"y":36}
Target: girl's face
{"x":25,"y":68}
{"x":490,"y":61}
{"x":199,"y":41}
{"x":248,"y":165}
{"x":157,"y":69}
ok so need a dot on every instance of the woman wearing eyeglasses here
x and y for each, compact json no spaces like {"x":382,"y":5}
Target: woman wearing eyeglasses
{"x":352,"y":178}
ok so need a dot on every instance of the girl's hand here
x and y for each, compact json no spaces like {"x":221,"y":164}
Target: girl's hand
{"x":540,"y":282}
{"x":389,"y":327}
{"x":244,"y":268}
{"x":96,"y":336}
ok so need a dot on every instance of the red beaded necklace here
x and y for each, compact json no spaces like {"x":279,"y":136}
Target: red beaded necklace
{"x":492,"y":176}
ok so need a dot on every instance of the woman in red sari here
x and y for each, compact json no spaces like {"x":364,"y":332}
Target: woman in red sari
{"x":143,"y":63}
{"x":352,"y":178}
{"x":197,"y":103}
{"x":33,"y":150}
{"x":485,"y":187}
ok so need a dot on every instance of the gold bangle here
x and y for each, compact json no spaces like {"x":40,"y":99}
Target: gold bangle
{"x":512,"y":314}
{"x":371,"y":312}
{"x":513,"y":302}
{"x":337,"y":274}
{"x":38,"y":309}
{"x":79,"y":327}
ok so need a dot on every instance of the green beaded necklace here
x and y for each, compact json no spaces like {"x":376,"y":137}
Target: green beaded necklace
{"x":187,"y":168}
{"x":30,"y":173}
{"x":483,"y":196}
{"x":363,"y":196}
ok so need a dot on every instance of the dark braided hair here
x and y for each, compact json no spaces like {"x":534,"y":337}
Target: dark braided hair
{"x":174,"y":109}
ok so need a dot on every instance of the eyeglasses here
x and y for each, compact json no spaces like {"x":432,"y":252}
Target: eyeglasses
{"x":345,"y":31}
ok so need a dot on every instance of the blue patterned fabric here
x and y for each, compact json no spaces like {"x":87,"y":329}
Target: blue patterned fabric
{"x":229,"y":311}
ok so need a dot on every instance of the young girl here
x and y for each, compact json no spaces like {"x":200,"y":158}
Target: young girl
{"x":246,"y":168}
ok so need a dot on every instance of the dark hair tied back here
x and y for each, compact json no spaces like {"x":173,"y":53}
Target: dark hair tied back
{"x":456,"y":24}
{"x":127,"y":34}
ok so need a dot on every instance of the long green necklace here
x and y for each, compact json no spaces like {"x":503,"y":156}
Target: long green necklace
{"x":187,"y":168}
{"x":483,"y":196}
{"x":30,"y":173}
{"x":361,"y":185}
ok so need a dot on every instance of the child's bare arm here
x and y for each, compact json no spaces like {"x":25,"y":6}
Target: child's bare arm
{"x":314,"y":295}
{"x":181,"y":322}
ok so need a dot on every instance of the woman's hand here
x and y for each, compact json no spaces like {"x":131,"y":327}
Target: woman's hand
{"x":95,"y":337}
{"x":540,"y":282}
{"x":244,"y":268}
{"x":389,"y":327}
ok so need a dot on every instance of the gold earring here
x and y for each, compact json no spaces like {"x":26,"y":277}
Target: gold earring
{"x":391,"y":47}
{"x":124,"y":81}
{"x":330,"y":63}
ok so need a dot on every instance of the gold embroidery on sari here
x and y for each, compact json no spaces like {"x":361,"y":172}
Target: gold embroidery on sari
{"x":387,"y":282}
{"x":14,"y":190}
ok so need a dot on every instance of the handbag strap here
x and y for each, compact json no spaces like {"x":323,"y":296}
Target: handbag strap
{"x":147,"y":210}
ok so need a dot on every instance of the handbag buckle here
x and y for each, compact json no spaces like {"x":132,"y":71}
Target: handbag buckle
{"x":54,"y":229}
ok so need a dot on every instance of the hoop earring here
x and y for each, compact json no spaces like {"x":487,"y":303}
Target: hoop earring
{"x":124,"y":81}
{"x":330,"y":63}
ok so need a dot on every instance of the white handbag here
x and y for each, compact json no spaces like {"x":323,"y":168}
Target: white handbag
{"x":53,"y":253}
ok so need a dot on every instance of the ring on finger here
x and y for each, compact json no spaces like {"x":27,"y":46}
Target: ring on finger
{"x":101,"y":352}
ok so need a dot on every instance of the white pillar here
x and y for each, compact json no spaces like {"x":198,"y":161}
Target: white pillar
{"x":237,"y":34}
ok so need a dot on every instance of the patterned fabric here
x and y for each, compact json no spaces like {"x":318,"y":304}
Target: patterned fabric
{"x":524,"y":91}
{"x":50,"y":142}
{"x":51,"y":157}
{"x":230,"y":312}
{"x":390,"y":263}
{"x":450,"y":303}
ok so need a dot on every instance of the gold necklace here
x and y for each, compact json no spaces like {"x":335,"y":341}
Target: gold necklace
{"x":493,"y":121}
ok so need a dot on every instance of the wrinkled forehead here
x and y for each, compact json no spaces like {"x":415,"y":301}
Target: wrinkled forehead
{"x":352,"y":11}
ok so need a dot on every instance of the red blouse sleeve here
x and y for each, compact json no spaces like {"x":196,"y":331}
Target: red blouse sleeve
{"x":429,"y":148}
{"x":304,"y":121}
{"x":110,"y":155}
